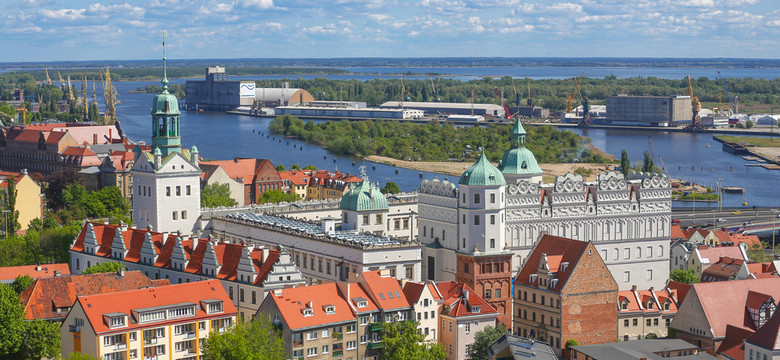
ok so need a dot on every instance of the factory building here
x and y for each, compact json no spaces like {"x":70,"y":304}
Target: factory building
{"x":350,"y":113}
{"x":530,"y":111}
{"x":437,"y":108}
{"x":284,"y":96}
{"x":659,"y":111}
{"x":217,"y":93}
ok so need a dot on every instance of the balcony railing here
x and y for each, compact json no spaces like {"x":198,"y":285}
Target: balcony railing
{"x":377,"y":326}
{"x":189,"y":335}
{"x":375,"y":345}
{"x":338,"y":336}
{"x":338,"y":353}
{"x":149,"y":341}
{"x":120,"y":346}
{"x":298,"y":342}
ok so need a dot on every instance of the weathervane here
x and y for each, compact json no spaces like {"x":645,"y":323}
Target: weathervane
{"x":165,"y":68}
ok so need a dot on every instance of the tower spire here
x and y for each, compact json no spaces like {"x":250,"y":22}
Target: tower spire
{"x":165,"y":67}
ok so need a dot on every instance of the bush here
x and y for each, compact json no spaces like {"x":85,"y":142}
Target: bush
{"x":570,"y":343}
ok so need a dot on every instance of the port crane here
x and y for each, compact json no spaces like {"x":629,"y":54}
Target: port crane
{"x":435,"y":96}
{"x":529,"y":102}
{"x":733,"y":101}
{"x":572,"y":95}
{"x":48,"y":79}
{"x":660,"y":159}
{"x":111,"y":97}
{"x":501,"y":100}
{"x":695,"y":107}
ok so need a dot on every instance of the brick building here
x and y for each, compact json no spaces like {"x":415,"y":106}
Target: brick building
{"x":565,"y":291}
{"x":256,"y":176}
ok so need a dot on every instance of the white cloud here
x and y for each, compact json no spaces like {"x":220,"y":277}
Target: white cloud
{"x":255,"y":4}
{"x":379,"y":17}
{"x":340,"y":28}
{"x":698,"y":3}
{"x":413,"y":33}
{"x":63,"y":14}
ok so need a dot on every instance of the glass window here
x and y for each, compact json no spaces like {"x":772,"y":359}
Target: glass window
{"x":189,"y":190}
{"x":476,"y":198}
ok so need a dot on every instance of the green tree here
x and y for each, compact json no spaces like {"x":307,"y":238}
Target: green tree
{"x":10,"y":219}
{"x":216,"y":195}
{"x":570,"y":343}
{"x":41,"y":340}
{"x":11,"y":321}
{"x":276,"y":196}
{"x":402,"y":340}
{"x":648,"y":165}
{"x":21,"y":283}
{"x":105,"y":267}
{"x":749,"y":124}
{"x":310,"y":167}
{"x":390,"y":188}
{"x":295,"y":167}
{"x":684,"y":276}
{"x":253,"y":340}
{"x":81,"y":356}
{"x":482,"y":340}
{"x":279,"y":167}
{"x":757,"y":254}
{"x":625,"y":163}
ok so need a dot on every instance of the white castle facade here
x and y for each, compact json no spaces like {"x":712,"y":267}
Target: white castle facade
{"x":629,"y":220}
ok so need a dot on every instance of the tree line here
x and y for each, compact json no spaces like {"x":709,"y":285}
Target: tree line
{"x":549,"y":93}
{"x":434,"y":142}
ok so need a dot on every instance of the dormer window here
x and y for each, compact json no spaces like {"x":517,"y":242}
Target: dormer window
{"x":476,"y":309}
{"x":532,"y":278}
{"x":666,"y":305}
{"x":307,"y":312}
{"x":212,"y":306}
{"x":650,"y":305}
{"x":362,"y":304}
{"x":116,"y":320}
{"x":183,"y":311}
{"x":329,"y":309}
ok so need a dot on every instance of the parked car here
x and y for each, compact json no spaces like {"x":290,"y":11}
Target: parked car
{"x":676,"y":221}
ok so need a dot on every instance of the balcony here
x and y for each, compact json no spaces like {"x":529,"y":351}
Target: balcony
{"x":297,"y":342}
{"x":377,"y":326}
{"x":120,"y":346}
{"x":374,"y":345}
{"x":189,"y":335}
{"x":298,"y":358}
{"x":150,"y":341}
{"x":337,"y":336}
{"x":337,"y":353}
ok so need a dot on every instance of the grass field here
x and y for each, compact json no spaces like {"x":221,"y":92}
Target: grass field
{"x":756,"y":141}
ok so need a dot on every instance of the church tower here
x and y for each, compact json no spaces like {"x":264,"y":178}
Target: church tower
{"x":166,"y":180}
{"x":483,"y":261}
{"x":166,"y":134}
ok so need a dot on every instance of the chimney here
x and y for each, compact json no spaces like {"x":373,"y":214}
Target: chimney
{"x":466,"y":294}
{"x":266,"y":252}
{"x":278,"y":292}
{"x":110,"y":135}
{"x":94,"y":139}
{"x":633,"y":288}
{"x":121,"y":272}
{"x":310,"y":304}
{"x":38,"y":268}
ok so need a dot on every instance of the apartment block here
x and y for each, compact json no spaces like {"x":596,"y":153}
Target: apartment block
{"x":168,"y":322}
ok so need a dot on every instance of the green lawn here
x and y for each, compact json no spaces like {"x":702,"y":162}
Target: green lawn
{"x":757,"y":141}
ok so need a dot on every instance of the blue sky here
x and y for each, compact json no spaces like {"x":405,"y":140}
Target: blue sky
{"x":50,"y":30}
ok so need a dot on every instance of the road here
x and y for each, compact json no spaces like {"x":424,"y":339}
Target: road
{"x":728,"y":218}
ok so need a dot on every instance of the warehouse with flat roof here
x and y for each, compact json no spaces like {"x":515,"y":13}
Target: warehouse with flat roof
{"x":438,"y":108}
{"x":648,"y":110}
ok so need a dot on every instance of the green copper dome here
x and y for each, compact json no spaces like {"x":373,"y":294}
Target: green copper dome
{"x":364,"y":197}
{"x":165,"y":103}
{"x":482,"y":173}
{"x":519,"y":160}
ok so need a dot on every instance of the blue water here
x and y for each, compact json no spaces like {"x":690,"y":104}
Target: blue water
{"x":224,"y":136}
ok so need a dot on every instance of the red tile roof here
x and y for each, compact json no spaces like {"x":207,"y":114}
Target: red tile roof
{"x":678,"y":233}
{"x":228,"y":255}
{"x":292,"y":303}
{"x":241,"y":169}
{"x":356,"y":292}
{"x":557,"y":250}
{"x":413,"y":291}
{"x":461,"y":300}
{"x":95,"y":306}
{"x":768,"y":336}
{"x":725,"y":269}
{"x":295,"y":177}
{"x":33,"y":271}
{"x":733,"y":346}
{"x":713,"y":253}
{"x":681,"y":289}
{"x":41,"y":299}
{"x":660,"y":298}
{"x":731,"y":296}
{"x":384,"y":289}
{"x":749,"y":240}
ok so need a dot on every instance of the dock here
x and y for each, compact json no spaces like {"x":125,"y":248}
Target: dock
{"x":732,"y":190}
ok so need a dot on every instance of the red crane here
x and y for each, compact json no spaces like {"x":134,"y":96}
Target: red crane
{"x":506,"y":108}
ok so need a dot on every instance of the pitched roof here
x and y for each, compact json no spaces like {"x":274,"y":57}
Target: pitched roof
{"x":295,"y":177}
{"x":413,"y":291}
{"x":715,"y":297}
{"x":681,"y":289}
{"x":711,"y":254}
{"x":33,"y":271}
{"x":95,"y":306}
{"x":678,"y":233}
{"x":293,"y":304}
{"x":767,"y":336}
{"x":384,"y":289}
{"x":733,"y":346}
{"x":637,"y":301}
{"x":557,"y":250}
{"x":41,"y":299}
{"x":725,"y":268}
{"x":461,"y":300}
{"x":242,"y":169}
{"x":228,"y":255}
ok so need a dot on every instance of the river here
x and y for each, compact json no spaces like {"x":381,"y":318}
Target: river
{"x":224,"y":136}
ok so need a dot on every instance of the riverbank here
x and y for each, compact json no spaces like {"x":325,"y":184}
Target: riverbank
{"x":456,"y":168}
{"x":765,"y":148}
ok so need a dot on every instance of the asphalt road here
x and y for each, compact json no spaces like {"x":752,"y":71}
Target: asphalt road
{"x":727,"y":218}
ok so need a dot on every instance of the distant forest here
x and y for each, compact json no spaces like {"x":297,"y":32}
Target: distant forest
{"x":410,"y":62}
{"x":549,"y":93}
